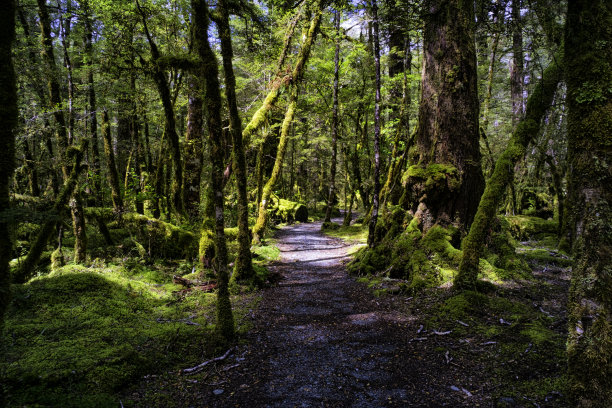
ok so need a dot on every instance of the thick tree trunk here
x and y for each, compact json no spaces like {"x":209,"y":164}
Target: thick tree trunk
{"x":296,"y":77}
{"x":447,"y":181}
{"x":537,"y":104}
{"x":332,"y":173}
{"x":209,"y":72}
{"x":8,"y":124}
{"x":243,"y":267}
{"x":588,"y":54}
{"x":376,"y":193}
{"x":194,"y":144}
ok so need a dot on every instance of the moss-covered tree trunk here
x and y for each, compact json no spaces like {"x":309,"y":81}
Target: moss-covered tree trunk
{"x":296,"y":77}
{"x":209,"y":72}
{"x":588,"y":60}
{"x":445,"y":184}
{"x":332,"y":173}
{"x":26,"y":270}
{"x":503,"y":174}
{"x":243,"y":267}
{"x":194,"y":145}
{"x":376,"y":192}
{"x":112,"y":174}
{"x":8,"y":124}
{"x":63,"y":136}
{"x":163,"y":89}
{"x":517,"y":76}
{"x":91,"y":113}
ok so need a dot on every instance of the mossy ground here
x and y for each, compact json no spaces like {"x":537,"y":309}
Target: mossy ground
{"x":79,"y":335}
{"x":513,"y":336}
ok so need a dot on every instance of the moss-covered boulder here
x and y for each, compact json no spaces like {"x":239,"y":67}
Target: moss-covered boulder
{"x":282,"y":210}
{"x":523,"y":227}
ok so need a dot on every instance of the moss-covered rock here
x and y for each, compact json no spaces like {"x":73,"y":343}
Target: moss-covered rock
{"x":330,"y":226}
{"x":282,"y":210}
{"x":523,"y":227}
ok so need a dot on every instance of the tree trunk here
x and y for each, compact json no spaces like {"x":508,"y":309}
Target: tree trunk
{"x":588,"y":54}
{"x":332,"y":174}
{"x":209,"y":72}
{"x":537,"y":104}
{"x":447,"y":181}
{"x":26,"y":270}
{"x":298,"y":72}
{"x":243,"y":268}
{"x":194,"y":139}
{"x":113,"y":176}
{"x":517,"y":76}
{"x":8,"y":124}
{"x":170,"y":126}
{"x":376,"y":193}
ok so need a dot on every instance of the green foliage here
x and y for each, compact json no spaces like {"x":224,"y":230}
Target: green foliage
{"x":282,"y":210}
{"x":523,"y":227}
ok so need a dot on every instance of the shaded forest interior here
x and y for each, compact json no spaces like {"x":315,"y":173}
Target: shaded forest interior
{"x":152,"y":148}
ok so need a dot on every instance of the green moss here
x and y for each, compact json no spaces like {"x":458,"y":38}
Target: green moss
{"x":268,"y":252}
{"x":435,"y":175}
{"x":78,"y":335}
{"x":355,"y":232}
{"x":524,"y":227}
{"x":330,"y":226}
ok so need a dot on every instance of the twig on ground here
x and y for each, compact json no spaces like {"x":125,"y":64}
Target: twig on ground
{"x":199,"y":367}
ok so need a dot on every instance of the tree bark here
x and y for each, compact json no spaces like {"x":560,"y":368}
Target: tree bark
{"x":194,"y":144}
{"x":588,"y":54}
{"x":243,"y":267}
{"x":112,"y":175}
{"x":447,"y":181}
{"x":537,"y":104}
{"x":517,"y":76}
{"x":8,"y":124}
{"x":209,"y":72}
{"x":332,"y":173}
{"x":26,"y":270}
{"x":376,"y":192}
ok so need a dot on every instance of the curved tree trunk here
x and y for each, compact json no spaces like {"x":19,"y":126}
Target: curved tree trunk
{"x":298,"y":72}
{"x":537,"y":104}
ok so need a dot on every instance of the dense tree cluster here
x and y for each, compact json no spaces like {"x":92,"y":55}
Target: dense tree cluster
{"x":430,"y":118}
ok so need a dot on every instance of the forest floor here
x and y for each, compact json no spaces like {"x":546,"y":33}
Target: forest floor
{"x":321,"y":338}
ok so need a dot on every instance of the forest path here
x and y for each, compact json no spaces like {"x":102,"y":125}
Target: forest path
{"x":322,"y":339}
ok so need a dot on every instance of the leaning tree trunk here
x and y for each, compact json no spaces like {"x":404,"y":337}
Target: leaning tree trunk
{"x":376,"y":193}
{"x":445,"y":184}
{"x":296,"y":78}
{"x":209,"y":72}
{"x":8,"y":124}
{"x":588,"y":54}
{"x":63,"y":137}
{"x":112,"y":174}
{"x":517,"y":77}
{"x":243,"y":267}
{"x":332,"y":175}
{"x":537,"y":104}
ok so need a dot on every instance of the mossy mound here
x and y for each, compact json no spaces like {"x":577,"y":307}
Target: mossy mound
{"x":75,"y":337}
{"x":430,"y":259}
{"x":330,"y":226}
{"x":523,"y":227}
{"x":282,"y":210}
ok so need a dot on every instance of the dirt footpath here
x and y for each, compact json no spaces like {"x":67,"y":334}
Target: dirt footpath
{"x":322,"y":340}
